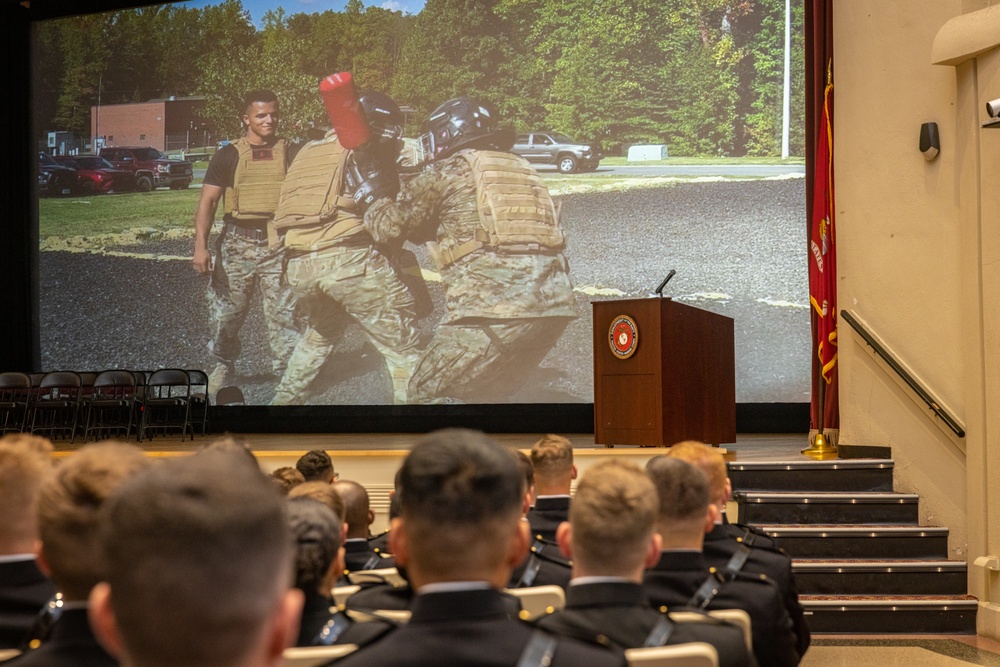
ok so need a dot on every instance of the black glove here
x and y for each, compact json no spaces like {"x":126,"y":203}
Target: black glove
{"x":370,"y":177}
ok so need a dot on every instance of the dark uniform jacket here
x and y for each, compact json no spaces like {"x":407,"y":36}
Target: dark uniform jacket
{"x":375,"y":596}
{"x":468,"y":628}
{"x":24,"y":590}
{"x":318,"y":612}
{"x":719,"y":549}
{"x":544,"y":565}
{"x":618,"y":614}
{"x":70,"y":643}
{"x":547,"y":514}
{"x":679,"y":575}
{"x":380,"y":543}
{"x":359,"y":555}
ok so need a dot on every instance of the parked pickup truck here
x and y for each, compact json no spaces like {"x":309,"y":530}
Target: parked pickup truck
{"x":559,"y":150}
{"x":152,"y":168}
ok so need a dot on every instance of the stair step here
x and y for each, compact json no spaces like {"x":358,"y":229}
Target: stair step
{"x":909,"y":614}
{"x":838,"y":508}
{"x":839,"y":475}
{"x":880,"y":577}
{"x":860,"y":541}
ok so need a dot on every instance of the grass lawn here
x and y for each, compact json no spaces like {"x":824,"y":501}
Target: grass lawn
{"x":110,"y":214}
{"x":621,"y":161}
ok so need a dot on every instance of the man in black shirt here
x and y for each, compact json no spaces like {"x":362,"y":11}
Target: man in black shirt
{"x":246,"y":176}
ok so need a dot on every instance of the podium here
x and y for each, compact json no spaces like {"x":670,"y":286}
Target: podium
{"x":663,"y":372}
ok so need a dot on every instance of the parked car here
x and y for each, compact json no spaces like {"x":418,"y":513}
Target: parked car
{"x":55,"y":179}
{"x":559,"y":150}
{"x":97,"y":174}
{"x":152,"y":169}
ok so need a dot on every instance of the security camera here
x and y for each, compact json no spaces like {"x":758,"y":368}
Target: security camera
{"x":930,"y":139}
{"x":993,"y":108}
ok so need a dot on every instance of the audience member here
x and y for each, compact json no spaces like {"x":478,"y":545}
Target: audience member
{"x":359,"y":554}
{"x":554,"y":472}
{"x":459,"y":536}
{"x":611,"y":538}
{"x":683,"y":577}
{"x":325,"y":494}
{"x":232,"y":443}
{"x":380,"y":542}
{"x":24,"y":590}
{"x":724,"y":551}
{"x":319,"y":559}
{"x":69,"y":505}
{"x":316,"y":466}
{"x":528,"y":471}
{"x":287,"y":478}
{"x":199,"y":564}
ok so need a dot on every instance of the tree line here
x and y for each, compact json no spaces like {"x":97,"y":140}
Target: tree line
{"x":703,"y":76}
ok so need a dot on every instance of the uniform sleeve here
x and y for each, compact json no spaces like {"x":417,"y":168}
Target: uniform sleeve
{"x":416,"y":208}
{"x":222,"y":168}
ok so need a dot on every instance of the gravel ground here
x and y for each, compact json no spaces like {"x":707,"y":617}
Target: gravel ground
{"x":738,"y":248}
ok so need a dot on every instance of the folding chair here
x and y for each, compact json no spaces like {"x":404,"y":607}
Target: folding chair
{"x":538,"y":601}
{"x":694,"y":654}
{"x":199,"y":399}
{"x":313,"y":656}
{"x":167,"y":403}
{"x":110,"y":408}
{"x":737,"y":617}
{"x":230,"y":395}
{"x":15,"y":399}
{"x":56,"y":404}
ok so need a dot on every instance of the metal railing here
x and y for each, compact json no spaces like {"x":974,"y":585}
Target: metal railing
{"x":924,"y":395}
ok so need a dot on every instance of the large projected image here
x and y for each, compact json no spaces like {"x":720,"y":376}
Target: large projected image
{"x":643,"y":136}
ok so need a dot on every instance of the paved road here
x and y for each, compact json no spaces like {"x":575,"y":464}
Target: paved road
{"x":679,"y":170}
{"x":738,"y":248}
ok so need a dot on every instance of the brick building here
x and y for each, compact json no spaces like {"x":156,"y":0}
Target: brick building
{"x":168,"y":124}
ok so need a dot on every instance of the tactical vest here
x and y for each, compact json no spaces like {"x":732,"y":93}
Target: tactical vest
{"x":313,"y":212}
{"x":516,"y":212}
{"x":256,"y":182}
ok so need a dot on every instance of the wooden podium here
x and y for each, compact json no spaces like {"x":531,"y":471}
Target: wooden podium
{"x":676,"y":382}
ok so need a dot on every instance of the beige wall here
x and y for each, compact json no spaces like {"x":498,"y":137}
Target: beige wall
{"x":919,"y":247}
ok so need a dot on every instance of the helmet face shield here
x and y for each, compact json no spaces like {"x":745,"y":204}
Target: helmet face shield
{"x":454,"y":124}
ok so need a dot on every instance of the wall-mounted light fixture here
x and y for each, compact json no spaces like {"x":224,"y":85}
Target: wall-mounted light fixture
{"x":993,"y":110}
{"x":930,"y":140}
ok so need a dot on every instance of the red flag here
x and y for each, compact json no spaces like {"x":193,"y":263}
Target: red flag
{"x":822,"y":248}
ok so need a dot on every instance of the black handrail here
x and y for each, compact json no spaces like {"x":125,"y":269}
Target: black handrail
{"x":907,"y":378}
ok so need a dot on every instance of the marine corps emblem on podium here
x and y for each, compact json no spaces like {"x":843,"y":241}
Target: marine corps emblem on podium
{"x":623,"y":336}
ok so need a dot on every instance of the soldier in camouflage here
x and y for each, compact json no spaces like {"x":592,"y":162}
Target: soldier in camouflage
{"x":508,"y":295}
{"x":247,"y":176}
{"x":332,"y":264}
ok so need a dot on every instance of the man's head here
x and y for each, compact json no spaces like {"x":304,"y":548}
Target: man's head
{"x":287,"y":478}
{"x":232,"y":443}
{"x":552,"y":458}
{"x":323,"y":492}
{"x":711,"y":462}
{"x":358,"y":506}
{"x":611,"y":528}
{"x":69,"y":505}
{"x":685,"y":513}
{"x":528,"y":472}
{"x":316,"y":466}
{"x":460,"y":494}
{"x":260,"y":115}
{"x":318,"y":545}
{"x":199,"y":565}
{"x":24,"y":466}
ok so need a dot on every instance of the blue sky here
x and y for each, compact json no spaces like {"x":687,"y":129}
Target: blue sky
{"x":258,"y":7}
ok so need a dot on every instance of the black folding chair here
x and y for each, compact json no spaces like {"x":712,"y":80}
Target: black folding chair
{"x":167,"y":403}
{"x":110,"y":408}
{"x":56,"y":405}
{"x":15,"y":399}
{"x":199,"y":399}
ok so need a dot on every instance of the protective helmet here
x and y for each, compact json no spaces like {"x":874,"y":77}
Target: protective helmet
{"x":453,"y":125}
{"x":383,"y":115}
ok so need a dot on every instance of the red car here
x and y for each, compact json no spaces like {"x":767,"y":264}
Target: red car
{"x":97,"y":174}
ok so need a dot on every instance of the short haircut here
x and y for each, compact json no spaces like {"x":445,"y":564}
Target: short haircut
{"x":199,"y":554}
{"x":232,"y":443}
{"x":259,"y":95}
{"x":316,"y":533}
{"x":552,"y":457}
{"x":323,"y":492}
{"x":315,"y":466}
{"x":357,"y":504}
{"x":708,"y":459}
{"x":527,"y":469}
{"x":24,"y":466}
{"x":286,"y":478}
{"x":457,"y":488}
{"x":613,"y":516}
{"x":69,"y":505}
{"x":682,"y":490}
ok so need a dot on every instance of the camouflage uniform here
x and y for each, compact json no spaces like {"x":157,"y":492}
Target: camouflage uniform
{"x":332,"y":267}
{"x":504,"y":309}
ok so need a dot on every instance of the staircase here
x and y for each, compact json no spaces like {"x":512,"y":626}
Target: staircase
{"x":862,"y":562}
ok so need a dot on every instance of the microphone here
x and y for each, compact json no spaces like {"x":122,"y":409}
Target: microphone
{"x":659,"y":290}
